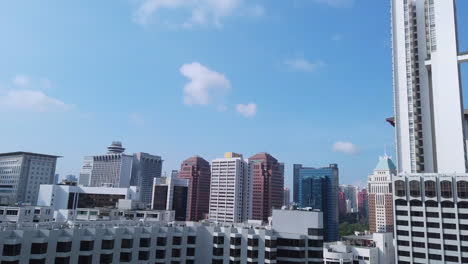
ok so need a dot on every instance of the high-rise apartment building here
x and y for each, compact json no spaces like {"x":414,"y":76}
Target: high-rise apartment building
{"x":379,"y":186}
{"x":267,"y":176}
{"x":145,"y":168}
{"x":113,"y":169}
{"x":119,"y":170}
{"x":229,"y":189}
{"x":431,"y":190}
{"x":197,"y":171}
{"x":318,"y":189}
{"x":21,"y":174}
{"x":427,"y":87}
{"x":363,"y":203}
{"x":341,"y":204}
{"x":171,"y":194}
{"x":351,"y":196}
{"x":286,"y":197}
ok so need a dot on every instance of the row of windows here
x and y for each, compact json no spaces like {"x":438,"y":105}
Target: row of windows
{"x":64,"y":247}
{"x":431,"y":189}
{"x":430,"y":203}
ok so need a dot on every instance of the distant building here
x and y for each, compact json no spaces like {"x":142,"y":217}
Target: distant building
{"x":363,"y":205}
{"x":26,"y":214}
{"x":119,"y":170}
{"x":361,"y":249}
{"x":21,"y":174}
{"x":113,"y":169}
{"x":379,"y":186}
{"x":197,"y":171}
{"x":267,"y":176}
{"x":71,"y":197}
{"x":286,"y":197}
{"x":351,"y":194}
{"x":71,"y":178}
{"x":171,"y":194}
{"x":174,"y":174}
{"x":318,"y":189}
{"x":341,"y":204}
{"x":145,"y":168}
{"x":56,"y":178}
{"x":230,"y":190}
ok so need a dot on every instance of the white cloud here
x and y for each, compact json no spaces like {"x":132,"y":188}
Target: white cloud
{"x":301,"y":64}
{"x":336,"y":3}
{"x":204,"y":86}
{"x":247,"y":110}
{"x":345,"y":147}
{"x":30,"y":100}
{"x":200,"y":12}
{"x":21,"y":80}
{"x":137,"y":119}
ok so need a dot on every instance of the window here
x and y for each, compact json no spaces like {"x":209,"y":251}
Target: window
{"x":218,"y":240}
{"x":125,"y":256}
{"x":402,"y":233}
{"x":403,"y":253}
{"x":177,"y":240}
{"x":417,"y":234}
{"x":86,"y":245}
{"x":417,"y":213}
{"x":462,"y":189}
{"x":314,"y":243}
{"x":433,"y":246}
{"x":432,"y":214}
{"x":400,"y":189}
{"x":431,"y":204}
{"x":160,"y":254}
{"x":191,"y":240}
{"x":161,"y":241}
{"x":12,"y":250}
{"x":85,"y":259}
{"x":64,"y":247}
{"x":415,"y":188}
{"x":402,"y":223}
{"x":403,"y":243}
{"x":451,"y":258}
{"x":145,"y":242}
{"x":252,"y":242}
{"x":430,"y":189}
{"x":447,"y":204}
{"x":448,"y":215}
{"x":143,"y":255}
{"x":107,"y":244}
{"x":435,"y":257}
{"x":37,"y":261}
{"x":38,"y":248}
{"x":127,"y":243}
{"x":64,"y":260}
{"x":253,"y":254}
{"x":463,"y":205}
{"x":415,"y":203}
{"x":418,"y":224}
{"x":190,"y":252}
{"x":450,"y":237}
{"x":418,"y":244}
{"x":446,"y":189}
{"x":176,"y":252}
{"x":106,"y":258}
{"x":272,"y":255}
{"x":218,"y":252}
{"x":433,"y":235}
{"x":235,"y":252}
{"x":236,"y":241}
{"x":315,"y":232}
{"x":449,"y":226}
{"x":433,"y":225}
{"x":450,"y":247}
{"x":401,"y":202}
{"x":419,"y":255}
{"x":399,"y":212}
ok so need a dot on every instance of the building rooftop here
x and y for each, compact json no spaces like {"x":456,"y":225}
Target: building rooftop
{"x":18,"y":153}
{"x":385,"y":163}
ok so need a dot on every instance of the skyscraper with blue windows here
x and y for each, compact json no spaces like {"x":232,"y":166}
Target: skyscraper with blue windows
{"x":317,"y":188}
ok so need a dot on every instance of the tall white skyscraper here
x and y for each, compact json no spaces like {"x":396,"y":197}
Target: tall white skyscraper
{"x":380,"y":197}
{"x":230,"y":189}
{"x":428,"y":104}
{"x":430,"y":193}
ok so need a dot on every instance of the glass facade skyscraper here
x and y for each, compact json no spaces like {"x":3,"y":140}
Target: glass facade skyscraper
{"x":317,"y":188}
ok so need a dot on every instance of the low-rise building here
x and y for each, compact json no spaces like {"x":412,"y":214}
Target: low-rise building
{"x":25,"y":214}
{"x":361,"y":249}
{"x":162,"y":242}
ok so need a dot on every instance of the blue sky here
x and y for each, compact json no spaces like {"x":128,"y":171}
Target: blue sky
{"x":309,"y":81}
